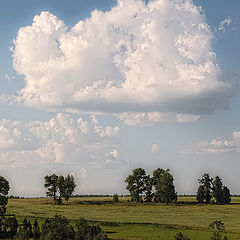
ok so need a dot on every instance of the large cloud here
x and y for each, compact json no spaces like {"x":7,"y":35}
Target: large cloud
{"x":61,"y":140}
{"x":154,"y":57}
{"x":153,"y":118}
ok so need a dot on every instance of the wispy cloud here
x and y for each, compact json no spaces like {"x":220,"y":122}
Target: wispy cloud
{"x":225,"y":24}
{"x":154,"y":118}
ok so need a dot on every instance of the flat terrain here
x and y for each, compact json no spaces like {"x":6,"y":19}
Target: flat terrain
{"x":127,"y":220}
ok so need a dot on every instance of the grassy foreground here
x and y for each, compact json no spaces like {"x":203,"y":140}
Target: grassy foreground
{"x":137,"y":221}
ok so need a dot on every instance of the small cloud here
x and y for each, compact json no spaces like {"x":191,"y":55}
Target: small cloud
{"x":155,"y":148}
{"x":187,"y":118}
{"x":224,"y":24}
{"x":216,"y":145}
{"x":9,"y":78}
{"x":83,"y":172}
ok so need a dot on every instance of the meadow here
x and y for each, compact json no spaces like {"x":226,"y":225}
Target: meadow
{"x":131,"y":221}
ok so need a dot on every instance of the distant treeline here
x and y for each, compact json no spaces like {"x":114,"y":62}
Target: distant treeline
{"x":97,"y":195}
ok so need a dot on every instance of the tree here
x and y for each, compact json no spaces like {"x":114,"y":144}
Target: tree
{"x":136,"y":184}
{"x":115,"y":198}
{"x":36,"y":231}
{"x":69,"y":187}
{"x":4,"y":189}
{"x":165,"y":189}
{"x":11,"y":226}
{"x":180,"y":236}
{"x":61,"y":188}
{"x":149,"y":194}
{"x":217,"y":189}
{"x":212,"y":188}
{"x":218,"y":229}
{"x":51,"y":183}
{"x":204,"y":193}
{"x":57,"y":228}
{"x":221,"y":193}
{"x":200,"y":194}
{"x":226,"y":196}
{"x":87,"y":232}
{"x":25,"y":231}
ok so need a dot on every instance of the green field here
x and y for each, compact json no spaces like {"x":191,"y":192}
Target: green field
{"x":127,"y":220}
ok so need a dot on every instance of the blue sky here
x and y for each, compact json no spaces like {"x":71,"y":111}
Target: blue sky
{"x":132,"y":85}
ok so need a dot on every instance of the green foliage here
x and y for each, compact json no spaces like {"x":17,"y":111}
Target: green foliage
{"x":221,"y":193}
{"x":4,"y":189}
{"x":64,"y":187}
{"x":165,"y":189}
{"x":36,"y":231}
{"x":226,"y":196}
{"x":180,"y":236}
{"x":217,"y":189}
{"x":200,"y":194}
{"x":9,"y":227}
{"x":148,"y":193}
{"x":204,"y":193}
{"x":140,"y":185}
{"x":87,"y":232}
{"x":25,"y":231}
{"x":57,"y":228}
{"x":210,"y":187}
{"x":69,"y":187}
{"x":136,"y":184}
{"x":51,"y":185}
{"x":115,"y":198}
{"x":218,"y":230}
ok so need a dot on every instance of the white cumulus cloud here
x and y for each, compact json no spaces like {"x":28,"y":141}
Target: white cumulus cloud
{"x":216,"y":145}
{"x":60,"y":140}
{"x":137,"y":57}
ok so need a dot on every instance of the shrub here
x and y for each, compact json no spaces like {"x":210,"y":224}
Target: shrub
{"x":180,"y":236}
{"x":115,"y":198}
{"x":87,"y":232}
{"x":57,"y":228}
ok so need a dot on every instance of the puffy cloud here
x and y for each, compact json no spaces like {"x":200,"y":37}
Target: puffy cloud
{"x":155,"y":148}
{"x":137,"y":57}
{"x":61,"y":140}
{"x":153,"y":118}
{"x":216,"y":145}
{"x":224,"y":23}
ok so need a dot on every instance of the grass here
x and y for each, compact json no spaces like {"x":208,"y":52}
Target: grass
{"x":138,"y":221}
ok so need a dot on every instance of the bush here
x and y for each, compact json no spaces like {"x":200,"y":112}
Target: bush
{"x":115,"y":198}
{"x":57,"y":228}
{"x":87,"y":232}
{"x":180,"y":236}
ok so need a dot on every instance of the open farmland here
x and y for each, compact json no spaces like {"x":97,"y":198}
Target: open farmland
{"x":127,"y":220}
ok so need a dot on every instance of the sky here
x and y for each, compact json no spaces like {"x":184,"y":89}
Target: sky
{"x":98,"y":88}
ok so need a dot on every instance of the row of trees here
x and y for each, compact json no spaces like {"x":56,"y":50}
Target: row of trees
{"x":59,"y":187}
{"x":161,"y":189}
{"x":141,"y":185}
{"x":212,"y":188}
{"x":59,"y":228}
